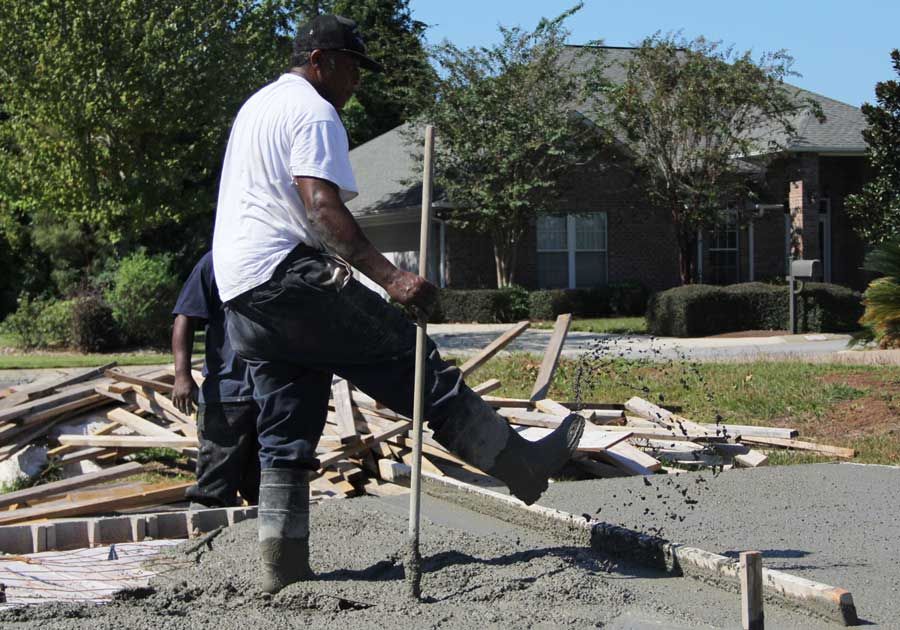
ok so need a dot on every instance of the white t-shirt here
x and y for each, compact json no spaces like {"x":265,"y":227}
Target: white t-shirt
{"x":284,"y":130}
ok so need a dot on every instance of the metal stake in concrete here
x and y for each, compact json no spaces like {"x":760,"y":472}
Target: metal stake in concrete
{"x":413,"y":559}
{"x":751,"y":590}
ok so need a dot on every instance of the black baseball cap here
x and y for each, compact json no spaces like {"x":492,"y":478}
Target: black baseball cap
{"x":334,"y":32}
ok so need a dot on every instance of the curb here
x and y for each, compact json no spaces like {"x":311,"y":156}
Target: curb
{"x":78,"y":533}
{"x":823,"y":600}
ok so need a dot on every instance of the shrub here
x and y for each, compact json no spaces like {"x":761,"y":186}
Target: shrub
{"x":54,"y":324}
{"x":699,"y":310}
{"x":477,"y":305}
{"x":93,"y":327}
{"x":142,"y":295}
{"x":625,"y":298}
{"x":40,"y":323}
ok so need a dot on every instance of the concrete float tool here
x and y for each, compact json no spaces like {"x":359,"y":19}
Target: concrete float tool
{"x":413,"y":558}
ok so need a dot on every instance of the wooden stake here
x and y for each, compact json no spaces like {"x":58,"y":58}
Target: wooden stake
{"x":551,"y":357}
{"x":751,"y":590}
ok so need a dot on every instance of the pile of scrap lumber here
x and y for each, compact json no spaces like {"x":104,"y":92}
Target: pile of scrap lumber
{"x":363,"y":445}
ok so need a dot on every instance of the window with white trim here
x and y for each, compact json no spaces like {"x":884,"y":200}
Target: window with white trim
{"x":572,"y":250}
{"x":723,"y":251}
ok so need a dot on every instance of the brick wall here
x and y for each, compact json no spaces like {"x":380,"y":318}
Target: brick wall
{"x":641,"y":240}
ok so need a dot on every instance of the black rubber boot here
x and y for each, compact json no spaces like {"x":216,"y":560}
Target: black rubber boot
{"x":476,"y":434}
{"x":283,"y":527}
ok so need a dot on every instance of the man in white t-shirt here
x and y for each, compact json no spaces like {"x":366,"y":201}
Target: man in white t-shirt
{"x":282,"y":247}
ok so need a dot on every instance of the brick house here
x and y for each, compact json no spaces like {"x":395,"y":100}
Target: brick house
{"x":607,"y":230}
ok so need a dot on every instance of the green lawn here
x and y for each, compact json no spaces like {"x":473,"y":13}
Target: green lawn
{"x":12,"y":358}
{"x":614,"y":325}
{"x":853,"y":406}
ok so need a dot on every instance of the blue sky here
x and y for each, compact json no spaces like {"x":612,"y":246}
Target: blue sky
{"x":841,"y":48}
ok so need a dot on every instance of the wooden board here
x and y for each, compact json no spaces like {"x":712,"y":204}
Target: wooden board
{"x":527,"y":403}
{"x":129,"y":441}
{"x":665,"y":418}
{"x":137,"y":424}
{"x":364,"y":443}
{"x":591,"y":441}
{"x":630,"y":459}
{"x":41,"y":404}
{"x":824,"y":449}
{"x":144,"y":498}
{"x":157,"y":386}
{"x":493,"y":348}
{"x":486,"y":387}
{"x":551,"y":357}
{"x":66,"y":485}
{"x":82,"y":454}
{"x":33,"y":391}
{"x":745,"y":429}
{"x":548,"y":405}
{"x":343,"y":407}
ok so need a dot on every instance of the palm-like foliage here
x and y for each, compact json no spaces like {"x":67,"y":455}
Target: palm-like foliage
{"x":882,"y":298}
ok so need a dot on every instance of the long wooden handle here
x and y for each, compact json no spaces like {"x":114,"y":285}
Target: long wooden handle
{"x":413,"y":569}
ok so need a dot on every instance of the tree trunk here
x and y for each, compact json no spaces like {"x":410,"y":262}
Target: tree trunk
{"x":505,"y":258}
{"x":686,"y":249}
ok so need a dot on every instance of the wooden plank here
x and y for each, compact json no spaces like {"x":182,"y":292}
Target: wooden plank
{"x":138,"y":424}
{"x":824,"y":449}
{"x":665,"y":418}
{"x":750,"y":570}
{"x":33,"y":391}
{"x":106,"y":429}
{"x":551,"y":357}
{"x":746,"y":429}
{"x":343,"y":407}
{"x":630,"y":459}
{"x":82,"y":454}
{"x":65,"y":485}
{"x":548,"y":405}
{"x":12,"y":432}
{"x":157,"y":386}
{"x":42,"y":404}
{"x":488,"y":386}
{"x":493,"y":348}
{"x":164,"y":402}
{"x":162,"y":407}
{"x":527,"y":403}
{"x":364,"y":443}
{"x":129,"y":441}
{"x":144,"y":498}
{"x":591,"y":441}
{"x":751,"y":459}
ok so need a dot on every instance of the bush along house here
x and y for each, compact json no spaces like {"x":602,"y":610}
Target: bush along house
{"x":606,"y":232}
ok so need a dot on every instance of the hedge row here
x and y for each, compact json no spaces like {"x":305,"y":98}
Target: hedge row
{"x":699,"y":310}
{"x":514,"y":304}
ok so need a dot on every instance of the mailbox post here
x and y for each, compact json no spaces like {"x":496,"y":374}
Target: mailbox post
{"x":801,"y":271}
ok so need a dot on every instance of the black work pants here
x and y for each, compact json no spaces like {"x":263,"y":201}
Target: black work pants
{"x":228,"y":460}
{"x":299,"y":328}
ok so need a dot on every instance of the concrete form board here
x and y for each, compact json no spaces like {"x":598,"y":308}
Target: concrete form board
{"x":821,"y":599}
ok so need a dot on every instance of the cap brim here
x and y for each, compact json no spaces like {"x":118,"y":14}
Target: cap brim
{"x":365,"y":62}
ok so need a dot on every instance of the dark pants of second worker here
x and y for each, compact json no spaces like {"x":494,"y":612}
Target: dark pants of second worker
{"x":228,"y":461}
{"x":299,"y":328}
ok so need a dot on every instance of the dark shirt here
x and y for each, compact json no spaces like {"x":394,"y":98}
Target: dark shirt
{"x":227,"y":379}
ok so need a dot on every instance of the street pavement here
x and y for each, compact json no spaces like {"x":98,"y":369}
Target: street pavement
{"x":461,"y":339}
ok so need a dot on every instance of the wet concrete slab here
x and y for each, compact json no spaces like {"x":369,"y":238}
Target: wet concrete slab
{"x":833,"y":523}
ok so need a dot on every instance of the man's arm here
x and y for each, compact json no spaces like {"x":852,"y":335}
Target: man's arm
{"x":340,"y":232}
{"x":184,"y":391}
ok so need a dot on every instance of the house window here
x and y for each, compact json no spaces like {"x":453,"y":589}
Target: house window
{"x":572,"y":250}
{"x":723,"y":251}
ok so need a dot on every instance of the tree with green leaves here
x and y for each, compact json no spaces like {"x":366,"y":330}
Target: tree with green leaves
{"x":117,"y":114}
{"x":508,"y":133}
{"x":693,"y":114}
{"x":876,"y":210}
